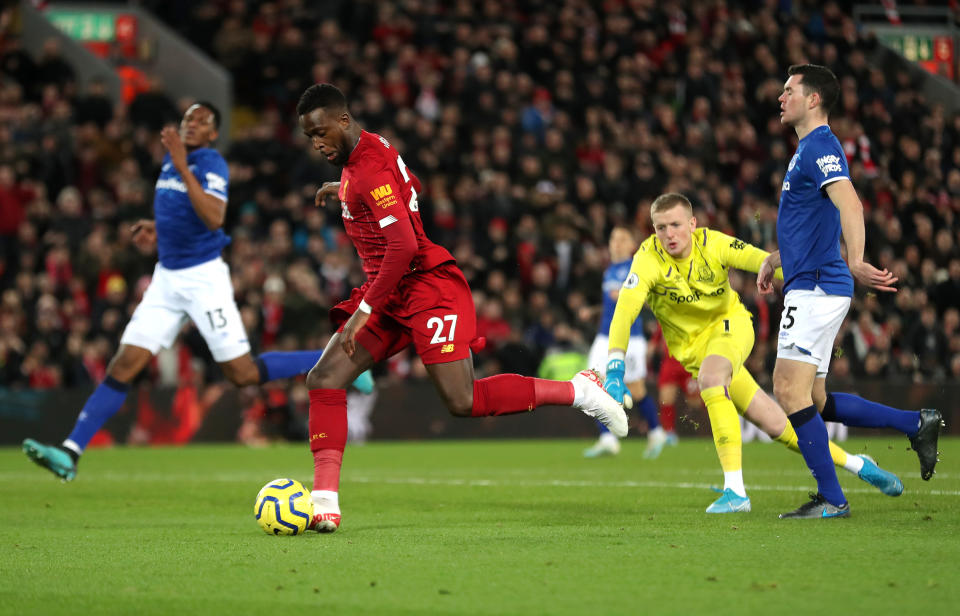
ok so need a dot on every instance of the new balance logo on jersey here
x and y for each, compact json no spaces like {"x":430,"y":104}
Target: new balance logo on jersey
{"x":447,"y":348}
{"x":829,"y":164}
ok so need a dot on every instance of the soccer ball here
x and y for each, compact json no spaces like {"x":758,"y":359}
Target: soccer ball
{"x":283,"y":507}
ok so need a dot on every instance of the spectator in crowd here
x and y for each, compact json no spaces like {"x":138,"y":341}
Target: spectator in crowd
{"x":535,"y":128}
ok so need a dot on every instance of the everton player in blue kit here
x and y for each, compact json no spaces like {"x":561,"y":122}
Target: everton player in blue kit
{"x":817,"y":203}
{"x":622,"y":245}
{"x":190,"y":281}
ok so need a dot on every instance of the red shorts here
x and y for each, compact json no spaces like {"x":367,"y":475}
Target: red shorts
{"x":672,"y":372}
{"x":432,"y":309}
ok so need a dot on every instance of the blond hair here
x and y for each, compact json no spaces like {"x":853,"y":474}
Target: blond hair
{"x":669,"y":201}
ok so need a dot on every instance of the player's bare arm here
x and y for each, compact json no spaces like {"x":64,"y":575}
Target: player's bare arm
{"x":766,"y":273}
{"x":845,"y":198}
{"x":210,"y":209}
{"x":348,"y":337}
{"x":329,"y":189}
{"x":144,"y":235}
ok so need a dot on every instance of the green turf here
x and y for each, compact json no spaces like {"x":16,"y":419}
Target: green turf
{"x":480,"y":527}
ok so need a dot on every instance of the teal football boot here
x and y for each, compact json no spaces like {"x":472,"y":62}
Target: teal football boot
{"x":730,"y":502}
{"x":52,"y":458}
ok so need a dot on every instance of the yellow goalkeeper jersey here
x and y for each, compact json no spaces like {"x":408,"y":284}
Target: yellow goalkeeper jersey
{"x":687,"y":295}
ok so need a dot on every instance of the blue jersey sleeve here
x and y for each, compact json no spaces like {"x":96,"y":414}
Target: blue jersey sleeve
{"x":824,"y":161}
{"x":611,"y":282}
{"x":213,"y":174}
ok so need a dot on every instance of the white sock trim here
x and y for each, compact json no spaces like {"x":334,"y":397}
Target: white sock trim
{"x":733,"y":480}
{"x":854,"y":464}
{"x":327,"y":498}
{"x":68,"y":444}
{"x":577,"y":393}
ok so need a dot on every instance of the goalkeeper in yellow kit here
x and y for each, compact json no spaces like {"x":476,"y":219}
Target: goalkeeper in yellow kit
{"x":681,"y":272}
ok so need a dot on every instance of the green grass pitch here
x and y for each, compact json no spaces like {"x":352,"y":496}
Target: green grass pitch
{"x":475,"y":527}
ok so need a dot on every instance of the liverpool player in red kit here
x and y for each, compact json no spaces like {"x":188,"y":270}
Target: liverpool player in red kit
{"x":414,"y":293}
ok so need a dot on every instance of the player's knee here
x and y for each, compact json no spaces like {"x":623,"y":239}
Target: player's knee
{"x":638,"y":389}
{"x":707,"y":380}
{"x":322,"y":378}
{"x":785,"y":392}
{"x":241,"y":377}
{"x":460,"y":405}
{"x":315,"y":379}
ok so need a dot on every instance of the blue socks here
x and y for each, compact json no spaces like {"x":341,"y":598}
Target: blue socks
{"x":102,"y":404}
{"x":648,"y":408}
{"x":285,"y":364}
{"x":813,"y":442}
{"x":853,"y":410}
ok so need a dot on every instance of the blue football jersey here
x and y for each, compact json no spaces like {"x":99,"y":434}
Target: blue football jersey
{"x":182,"y":238}
{"x":808,"y":223}
{"x":613,"y":278}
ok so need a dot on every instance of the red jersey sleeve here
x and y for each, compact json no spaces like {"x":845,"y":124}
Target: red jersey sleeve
{"x":381,"y":190}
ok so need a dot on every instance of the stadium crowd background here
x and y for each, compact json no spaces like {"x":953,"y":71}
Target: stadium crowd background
{"x":534,"y":126}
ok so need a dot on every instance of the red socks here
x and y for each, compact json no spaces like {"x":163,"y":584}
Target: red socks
{"x":668,"y":417}
{"x":505,"y":394}
{"x":502,"y":394}
{"x":328,"y":436}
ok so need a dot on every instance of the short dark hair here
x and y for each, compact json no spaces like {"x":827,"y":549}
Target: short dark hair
{"x":818,"y":79}
{"x":213,"y":109}
{"x":321,"y":96}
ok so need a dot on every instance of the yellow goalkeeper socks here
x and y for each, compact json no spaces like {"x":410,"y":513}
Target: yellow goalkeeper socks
{"x":725,"y":425}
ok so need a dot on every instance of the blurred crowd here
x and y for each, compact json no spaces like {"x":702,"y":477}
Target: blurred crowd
{"x":534,"y":126}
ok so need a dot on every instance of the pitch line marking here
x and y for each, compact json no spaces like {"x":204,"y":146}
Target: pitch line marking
{"x":566,"y":483}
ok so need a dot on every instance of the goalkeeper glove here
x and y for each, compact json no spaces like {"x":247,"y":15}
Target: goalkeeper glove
{"x":614,"y":384}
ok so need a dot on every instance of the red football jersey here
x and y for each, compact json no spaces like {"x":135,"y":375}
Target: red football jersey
{"x":377,"y":190}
